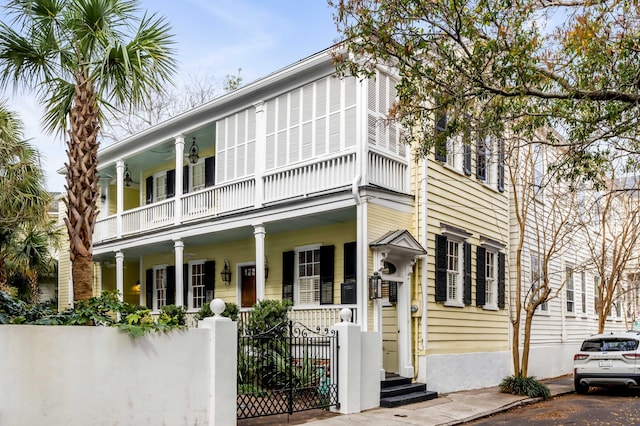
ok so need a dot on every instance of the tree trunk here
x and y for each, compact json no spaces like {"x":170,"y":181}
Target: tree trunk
{"x":34,"y":288}
{"x":526,"y":345}
{"x":82,"y":179}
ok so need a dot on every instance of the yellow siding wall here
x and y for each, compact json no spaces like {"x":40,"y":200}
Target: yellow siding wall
{"x":241,"y":251}
{"x":463,"y":202}
{"x":382,"y":219}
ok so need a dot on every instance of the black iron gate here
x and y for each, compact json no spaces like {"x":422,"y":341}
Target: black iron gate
{"x":287,"y":369}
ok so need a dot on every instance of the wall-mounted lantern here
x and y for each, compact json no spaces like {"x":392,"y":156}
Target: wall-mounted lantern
{"x":375,"y":286}
{"x":225,"y":274}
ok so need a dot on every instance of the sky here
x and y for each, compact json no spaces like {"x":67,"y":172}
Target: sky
{"x":213,"y":37}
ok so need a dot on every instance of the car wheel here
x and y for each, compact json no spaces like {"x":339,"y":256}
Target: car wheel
{"x":580,"y":388}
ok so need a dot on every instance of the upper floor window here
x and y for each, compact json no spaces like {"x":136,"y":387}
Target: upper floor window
{"x":537,"y":280}
{"x":570,"y":291}
{"x":538,"y":170}
{"x":197,"y":175}
{"x":160,"y":186}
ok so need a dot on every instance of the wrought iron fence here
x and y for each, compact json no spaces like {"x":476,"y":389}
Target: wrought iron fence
{"x":287,"y":369}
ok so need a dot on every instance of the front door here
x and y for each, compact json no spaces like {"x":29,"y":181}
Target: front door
{"x":247,"y":286}
{"x":390,"y":338}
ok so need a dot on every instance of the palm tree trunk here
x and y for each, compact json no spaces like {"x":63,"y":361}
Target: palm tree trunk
{"x":82,"y":185}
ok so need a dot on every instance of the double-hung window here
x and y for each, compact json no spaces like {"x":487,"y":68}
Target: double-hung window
{"x":537,"y":280}
{"x":160,"y":286}
{"x":197,"y":175}
{"x":309,"y":276}
{"x":454,"y":273}
{"x":583,"y":293}
{"x":160,"y":186}
{"x":491,"y":269}
{"x":453,"y":267}
{"x":570,"y":290}
{"x":196,"y":285}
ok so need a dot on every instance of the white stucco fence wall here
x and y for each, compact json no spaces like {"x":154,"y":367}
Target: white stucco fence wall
{"x":102,"y":376}
{"x":456,"y":372}
{"x":552,"y":360}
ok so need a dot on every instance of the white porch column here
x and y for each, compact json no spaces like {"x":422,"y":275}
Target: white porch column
{"x":362,"y":266}
{"x":120,"y":274}
{"x":259,"y":233}
{"x":119,"y":196}
{"x":178,"y":246}
{"x":261,"y":152}
{"x":179,"y":143}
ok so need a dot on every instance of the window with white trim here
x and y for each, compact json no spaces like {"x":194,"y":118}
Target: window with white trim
{"x":538,"y":170}
{"x":491,"y":279}
{"x":596,"y":292}
{"x":308,"y":260}
{"x":197,"y":175}
{"x":160,"y":186}
{"x":454,"y":272}
{"x":583,"y":293}
{"x":537,"y":279}
{"x":196,"y":285}
{"x":569,"y":289}
{"x":160,"y":286}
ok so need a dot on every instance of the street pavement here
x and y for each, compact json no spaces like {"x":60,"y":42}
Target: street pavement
{"x":448,"y":409}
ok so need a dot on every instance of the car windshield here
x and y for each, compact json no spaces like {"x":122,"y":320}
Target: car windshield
{"x":609,"y":344}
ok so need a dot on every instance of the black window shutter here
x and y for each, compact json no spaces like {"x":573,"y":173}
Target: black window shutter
{"x":441,"y":268}
{"x":288,"y":265}
{"x":350,"y":261}
{"x":171,"y":183}
{"x":209,"y":280}
{"x":209,"y":171}
{"x":326,"y":274}
{"x":481,"y":279}
{"x":185,"y":284}
{"x":171,"y":285}
{"x":466,"y":297}
{"x":500,"y":165}
{"x":501,"y":272}
{"x":149,"y":287}
{"x":149,"y":189}
{"x":185,"y":179}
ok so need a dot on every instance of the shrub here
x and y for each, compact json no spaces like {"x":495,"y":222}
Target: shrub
{"x":268,"y":315}
{"x":173,"y":314}
{"x":529,"y":386}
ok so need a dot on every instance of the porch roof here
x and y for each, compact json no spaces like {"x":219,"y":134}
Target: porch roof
{"x":399,"y":240}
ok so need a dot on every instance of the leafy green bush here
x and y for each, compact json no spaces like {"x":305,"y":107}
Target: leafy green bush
{"x":231,"y":311}
{"x":268,"y":315}
{"x":529,"y":386}
{"x":96,"y":311}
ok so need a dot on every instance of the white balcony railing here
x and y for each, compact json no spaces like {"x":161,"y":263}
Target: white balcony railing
{"x":311,"y":178}
{"x":314,"y":318}
{"x":388,"y":172}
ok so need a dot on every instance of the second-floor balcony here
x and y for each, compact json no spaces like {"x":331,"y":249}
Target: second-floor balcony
{"x":330,"y":174}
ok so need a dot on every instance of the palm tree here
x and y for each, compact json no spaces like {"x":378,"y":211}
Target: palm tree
{"x":23,"y":197}
{"x":31,"y":256}
{"x":83,"y":57}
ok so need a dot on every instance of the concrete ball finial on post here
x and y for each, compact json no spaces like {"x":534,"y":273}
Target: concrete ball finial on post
{"x":345,"y":315}
{"x":217,"y":307}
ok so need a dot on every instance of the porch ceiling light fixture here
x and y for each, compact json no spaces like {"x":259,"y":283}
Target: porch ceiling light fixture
{"x":375,"y":286}
{"x":127,"y":176}
{"x":194,"y":152}
{"x":225,"y":274}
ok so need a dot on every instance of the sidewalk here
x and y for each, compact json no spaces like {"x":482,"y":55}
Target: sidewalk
{"x":449,"y":409}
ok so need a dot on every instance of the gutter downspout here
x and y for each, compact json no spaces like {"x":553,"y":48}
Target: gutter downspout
{"x":425,"y":240}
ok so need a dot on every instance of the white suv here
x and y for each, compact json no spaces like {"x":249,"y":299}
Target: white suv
{"x":611,"y":359}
